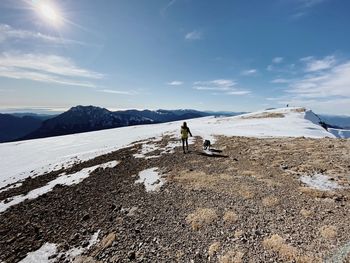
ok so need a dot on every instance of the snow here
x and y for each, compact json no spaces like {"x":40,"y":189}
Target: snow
{"x":146,"y":148}
{"x":41,"y":255}
{"x":64,"y":179}
{"x":20,"y":160}
{"x":47,"y":250}
{"x":208,"y":152}
{"x":151,"y":179}
{"x":320,"y":182}
{"x":339,"y":133}
{"x":77,"y":251}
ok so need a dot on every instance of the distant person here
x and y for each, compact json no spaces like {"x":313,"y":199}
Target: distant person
{"x":185,"y":131}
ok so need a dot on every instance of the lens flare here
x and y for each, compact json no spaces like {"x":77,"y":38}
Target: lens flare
{"x":48,"y":12}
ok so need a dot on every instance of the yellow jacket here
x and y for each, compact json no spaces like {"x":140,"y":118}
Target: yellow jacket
{"x":184,"y":132}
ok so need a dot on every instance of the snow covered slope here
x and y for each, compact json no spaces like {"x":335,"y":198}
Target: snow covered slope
{"x":34,"y":157}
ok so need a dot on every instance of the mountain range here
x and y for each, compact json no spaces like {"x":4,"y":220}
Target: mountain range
{"x":23,"y":126}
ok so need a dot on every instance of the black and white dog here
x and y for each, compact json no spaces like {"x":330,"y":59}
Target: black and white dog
{"x":206,"y":145}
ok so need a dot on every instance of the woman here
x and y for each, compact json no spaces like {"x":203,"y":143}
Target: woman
{"x":185,"y":131}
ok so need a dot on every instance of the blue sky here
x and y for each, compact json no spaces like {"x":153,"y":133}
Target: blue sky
{"x":206,"y":55}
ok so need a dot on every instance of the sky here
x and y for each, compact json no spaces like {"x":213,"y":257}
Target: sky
{"x":171,"y":54}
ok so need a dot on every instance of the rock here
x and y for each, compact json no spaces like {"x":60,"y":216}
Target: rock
{"x":84,"y":259}
{"x":132,"y":211}
{"x":85,"y":217}
{"x":131,"y":255}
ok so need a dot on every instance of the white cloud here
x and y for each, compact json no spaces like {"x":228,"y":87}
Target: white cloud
{"x":310,"y":3}
{"x":175,"y":83}
{"x":325,"y":88}
{"x":225,"y":86}
{"x":249,"y":72}
{"x":45,"y":68}
{"x":281,"y":80}
{"x":194,"y":35}
{"x":313,"y":64}
{"x":303,"y":6}
{"x":217,"y":84}
{"x":277,"y":60}
{"x":165,"y":9}
{"x":238,"y":92}
{"x":9,"y":33}
{"x":333,"y":82}
{"x":120,"y":92}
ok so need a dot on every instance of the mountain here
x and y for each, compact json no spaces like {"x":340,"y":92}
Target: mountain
{"x":336,"y":121}
{"x":83,"y":119}
{"x":90,"y":118}
{"x":12,"y":127}
{"x":42,"y":117}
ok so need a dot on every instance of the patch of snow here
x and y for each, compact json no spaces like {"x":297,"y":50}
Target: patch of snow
{"x":20,"y":160}
{"x":339,"y":133}
{"x":320,"y":182}
{"x":41,"y":255}
{"x":151,"y":179}
{"x":146,"y":148}
{"x":64,"y":179}
{"x":77,"y":251}
{"x":208,"y":152}
{"x":340,"y":255}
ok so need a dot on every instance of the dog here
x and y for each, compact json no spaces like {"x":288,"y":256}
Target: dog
{"x":206,"y":145}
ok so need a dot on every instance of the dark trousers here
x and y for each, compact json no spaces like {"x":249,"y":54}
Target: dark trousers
{"x":183,"y":143}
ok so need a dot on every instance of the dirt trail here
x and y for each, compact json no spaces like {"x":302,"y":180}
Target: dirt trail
{"x":248,"y":207}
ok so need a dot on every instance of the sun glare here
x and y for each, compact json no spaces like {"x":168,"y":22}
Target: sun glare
{"x":49,"y":13}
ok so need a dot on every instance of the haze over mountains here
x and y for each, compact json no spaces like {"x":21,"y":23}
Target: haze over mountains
{"x":87,"y":118}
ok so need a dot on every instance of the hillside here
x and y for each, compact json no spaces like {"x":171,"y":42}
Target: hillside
{"x":91,"y":118}
{"x":278,"y":191}
{"x":14,"y":127}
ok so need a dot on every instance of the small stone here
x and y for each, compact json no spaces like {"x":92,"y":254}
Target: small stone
{"x":131,"y":255}
{"x":85,"y":217}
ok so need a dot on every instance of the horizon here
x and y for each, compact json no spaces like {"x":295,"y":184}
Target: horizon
{"x":56,"y":111}
{"x":174,"y":54}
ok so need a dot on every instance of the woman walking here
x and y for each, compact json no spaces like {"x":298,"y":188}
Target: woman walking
{"x":185,"y":131}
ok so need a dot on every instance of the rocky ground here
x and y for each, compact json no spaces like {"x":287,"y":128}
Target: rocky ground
{"x":247,"y":205}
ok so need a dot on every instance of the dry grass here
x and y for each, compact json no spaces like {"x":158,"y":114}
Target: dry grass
{"x":287,"y":252}
{"x":328,"y":232}
{"x":270,"y":182}
{"x":232,"y":256}
{"x":299,"y":110}
{"x":316,"y":193}
{"x":214,"y":249}
{"x":248,"y":173}
{"x":201,"y":217}
{"x":238,"y":233}
{"x":230,"y":217}
{"x":270,"y":201}
{"x":265,"y":115}
{"x":306,"y":213}
{"x":246,"y":192}
{"x":277,"y":244}
{"x":199,"y":180}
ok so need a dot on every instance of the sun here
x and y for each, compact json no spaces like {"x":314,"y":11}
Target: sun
{"x":49,"y":12}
